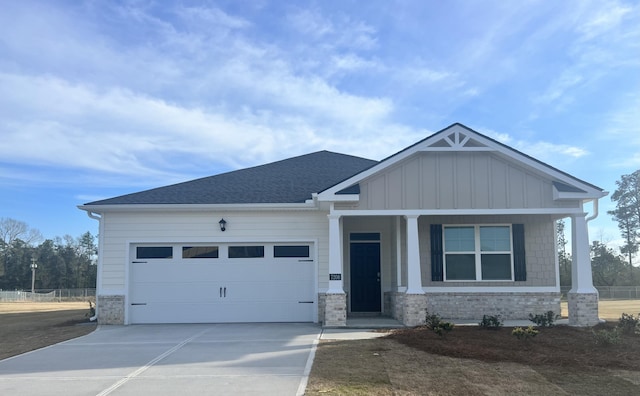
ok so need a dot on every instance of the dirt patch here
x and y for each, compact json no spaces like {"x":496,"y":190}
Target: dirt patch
{"x":29,"y":326}
{"x":472,"y":361}
{"x":560,"y":346}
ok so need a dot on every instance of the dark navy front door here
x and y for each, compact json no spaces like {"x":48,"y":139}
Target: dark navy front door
{"x":365,"y":277}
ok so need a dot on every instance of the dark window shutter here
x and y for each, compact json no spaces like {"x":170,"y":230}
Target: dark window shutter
{"x":436,"y":253}
{"x":519,"y":264}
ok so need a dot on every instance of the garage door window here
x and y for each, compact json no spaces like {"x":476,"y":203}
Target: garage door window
{"x":154,"y":252}
{"x":246,"y":251}
{"x":195,"y":252}
{"x":291,"y":251}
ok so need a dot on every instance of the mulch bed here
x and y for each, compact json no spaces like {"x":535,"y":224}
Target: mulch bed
{"x":559,"y":346}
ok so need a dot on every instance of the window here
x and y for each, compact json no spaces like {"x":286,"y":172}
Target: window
{"x":365,"y":236}
{"x":246,"y":251}
{"x":291,"y":251}
{"x":473,"y":253}
{"x":189,"y":252}
{"x":154,"y":252}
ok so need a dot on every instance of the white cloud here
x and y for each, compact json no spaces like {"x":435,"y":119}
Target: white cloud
{"x":542,"y":150}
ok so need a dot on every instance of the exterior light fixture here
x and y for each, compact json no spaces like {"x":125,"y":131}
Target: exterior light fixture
{"x":223,"y":225}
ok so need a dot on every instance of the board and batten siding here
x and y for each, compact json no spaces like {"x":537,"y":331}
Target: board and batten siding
{"x":121,"y":229}
{"x":457,"y":180}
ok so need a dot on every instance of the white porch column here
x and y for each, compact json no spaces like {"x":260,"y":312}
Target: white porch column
{"x":335,"y":299}
{"x":583,"y":297}
{"x":398,"y":253}
{"x":335,"y":255}
{"x":414,"y":276}
{"x":415,"y":302}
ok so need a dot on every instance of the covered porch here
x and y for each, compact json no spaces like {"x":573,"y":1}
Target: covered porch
{"x":381,"y":269}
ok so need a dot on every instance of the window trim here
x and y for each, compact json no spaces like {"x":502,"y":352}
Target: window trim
{"x":477,"y":252}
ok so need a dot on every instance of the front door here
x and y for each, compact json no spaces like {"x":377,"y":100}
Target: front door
{"x":365,"y":277}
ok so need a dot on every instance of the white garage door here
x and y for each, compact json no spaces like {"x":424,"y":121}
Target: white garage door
{"x":195,"y":283}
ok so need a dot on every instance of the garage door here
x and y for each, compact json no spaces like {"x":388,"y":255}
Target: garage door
{"x":195,"y":283}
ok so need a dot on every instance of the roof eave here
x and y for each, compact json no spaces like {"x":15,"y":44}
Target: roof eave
{"x":309,"y":205}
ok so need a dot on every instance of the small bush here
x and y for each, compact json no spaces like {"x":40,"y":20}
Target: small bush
{"x":524,"y":334}
{"x":438,"y":326}
{"x":629,"y":324}
{"x":491,"y":322}
{"x":544,"y":320}
{"x":607,"y":337}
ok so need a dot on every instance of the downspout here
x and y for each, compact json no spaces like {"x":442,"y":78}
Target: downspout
{"x":595,"y":211}
{"x":95,"y":307}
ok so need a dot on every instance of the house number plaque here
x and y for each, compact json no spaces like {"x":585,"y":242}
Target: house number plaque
{"x":335,"y":277}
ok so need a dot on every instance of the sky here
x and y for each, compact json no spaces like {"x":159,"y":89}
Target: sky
{"x":103,"y":98}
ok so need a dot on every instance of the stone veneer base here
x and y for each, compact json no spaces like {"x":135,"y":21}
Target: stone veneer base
{"x":472,"y":306}
{"x":510,"y":306}
{"x":110,"y":310}
{"x":583,"y":309}
{"x":335,"y":310}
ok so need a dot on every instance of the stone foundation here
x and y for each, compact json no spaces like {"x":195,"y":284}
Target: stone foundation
{"x":110,"y":310}
{"x":583,"y":309}
{"x":510,"y":306}
{"x":414,"y":309}
{"x":335,"y":310}
{"x":395,"y":301}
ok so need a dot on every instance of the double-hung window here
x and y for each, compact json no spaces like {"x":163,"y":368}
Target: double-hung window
{"x":478,"y":252}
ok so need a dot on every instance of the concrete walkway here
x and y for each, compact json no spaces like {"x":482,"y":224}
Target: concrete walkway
{"x":212,"y":359}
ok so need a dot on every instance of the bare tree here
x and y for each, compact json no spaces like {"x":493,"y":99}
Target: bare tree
{"x":12,"y":229}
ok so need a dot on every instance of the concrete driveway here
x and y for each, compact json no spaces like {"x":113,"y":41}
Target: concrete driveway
{"x":211,"y":359}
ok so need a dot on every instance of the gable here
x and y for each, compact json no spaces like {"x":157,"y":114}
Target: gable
{"x":459,"y":168}
{"x":458,"y":180}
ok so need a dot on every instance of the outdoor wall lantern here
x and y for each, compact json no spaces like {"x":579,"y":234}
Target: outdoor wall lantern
{"x":223,"y":225}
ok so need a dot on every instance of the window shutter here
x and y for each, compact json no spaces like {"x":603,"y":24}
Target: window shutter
{"x":519,"y":264}
{"x":436,"y":253}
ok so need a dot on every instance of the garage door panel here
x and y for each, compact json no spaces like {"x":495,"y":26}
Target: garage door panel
{"x":237,"y":312}
{"x":222,"y":290}
{"x":178,"y":292}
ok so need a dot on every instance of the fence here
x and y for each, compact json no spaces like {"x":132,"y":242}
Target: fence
{"x":48,"y":295}
{"x":612,"y":292}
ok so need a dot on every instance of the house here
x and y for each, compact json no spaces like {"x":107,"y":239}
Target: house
{"x":457,"y":224}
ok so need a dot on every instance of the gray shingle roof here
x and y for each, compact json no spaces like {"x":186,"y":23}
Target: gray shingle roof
{"x":292,"y":180}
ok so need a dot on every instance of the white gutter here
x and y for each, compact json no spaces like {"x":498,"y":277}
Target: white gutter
{"x":95,"y":306}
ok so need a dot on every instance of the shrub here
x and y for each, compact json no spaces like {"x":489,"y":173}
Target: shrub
{"x":544,"y":320}
{"x":524,"y":334}
{"x":438,"y":326}
{"x":629,"y":324}
{"x":492,"y":322}
{"x":607,"y":337}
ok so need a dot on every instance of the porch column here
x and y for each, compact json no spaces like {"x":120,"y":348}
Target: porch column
{"x":583,"y":297}
{"x":398,"y":253}
{"x":415,"y":303}
{"x":335,"y":306}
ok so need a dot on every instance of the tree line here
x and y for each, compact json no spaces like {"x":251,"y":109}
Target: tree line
{"x":611,"y":267}
{"x":63,"y":262}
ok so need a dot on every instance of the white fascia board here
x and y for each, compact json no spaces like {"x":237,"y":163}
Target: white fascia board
{"x":581,"y":196}
{"x":197,"y":207}
{"x":457,"y":212}
{"x":339,"y":198}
